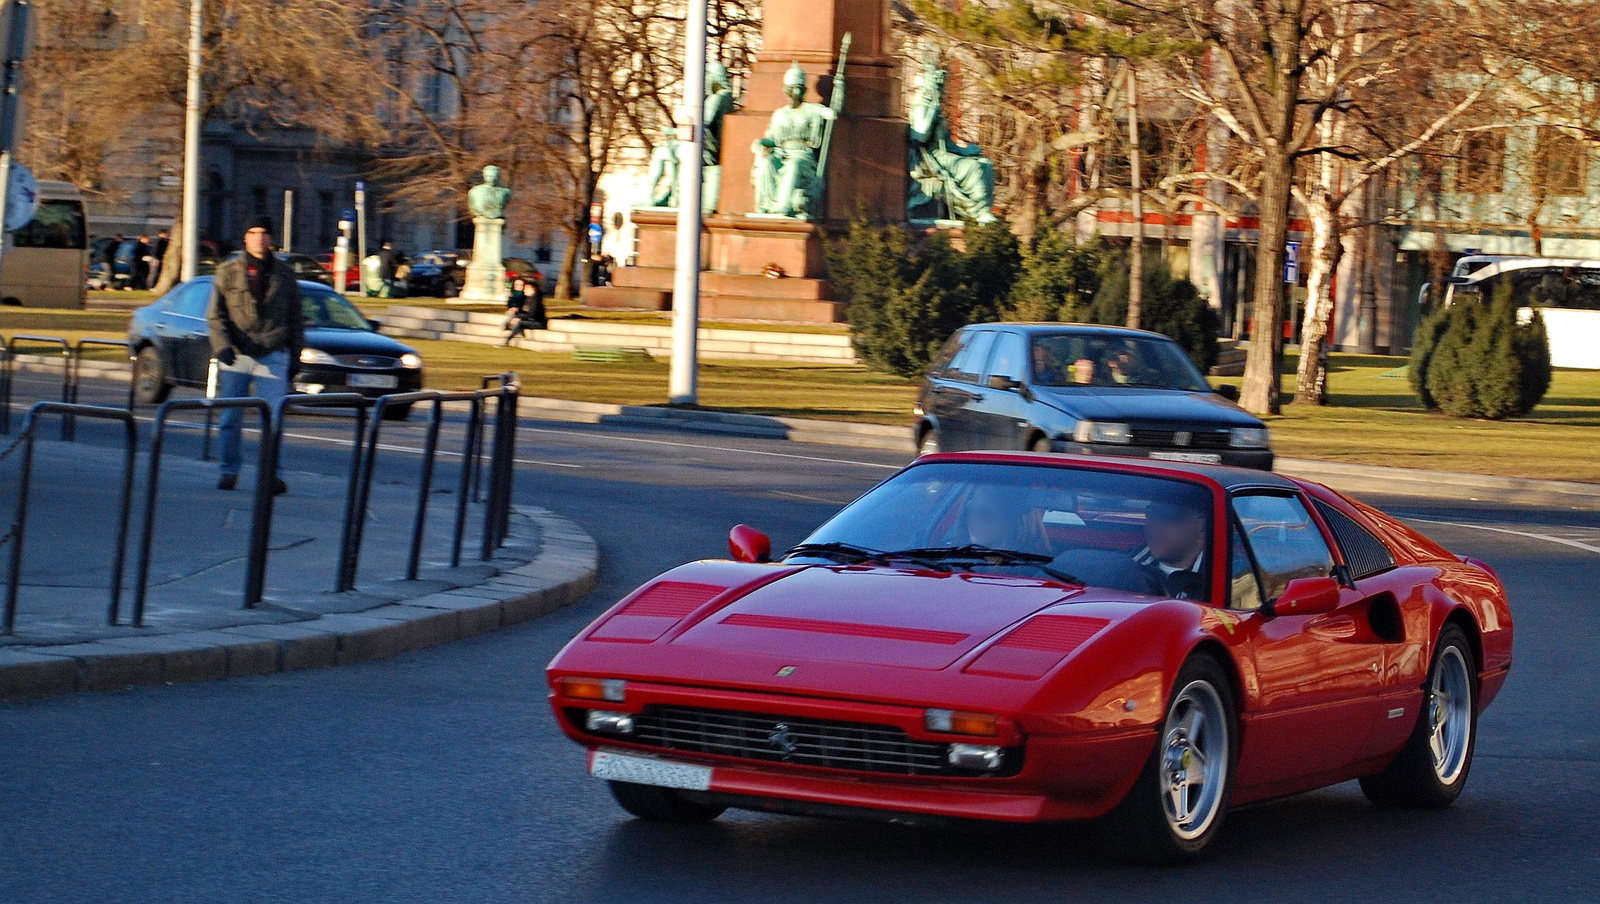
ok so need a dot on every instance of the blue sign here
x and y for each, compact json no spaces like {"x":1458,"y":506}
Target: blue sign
{"x":1291,"y":263}
{"x":349,"y":213}
{"x":596,"y":233}
{"x":360,"y":186}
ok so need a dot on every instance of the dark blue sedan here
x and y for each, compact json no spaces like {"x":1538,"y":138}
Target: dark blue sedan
{"x":1083,"y":389}
{"x":344,"y":352}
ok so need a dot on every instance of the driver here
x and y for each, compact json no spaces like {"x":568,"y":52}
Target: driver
{"x":1175,"y":549}
{"x":997,"y":519}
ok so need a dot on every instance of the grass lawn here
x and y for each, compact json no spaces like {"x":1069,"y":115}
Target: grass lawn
{"x":1373,"y":418}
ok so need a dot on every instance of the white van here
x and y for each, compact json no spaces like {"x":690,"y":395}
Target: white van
{"x":46,"y":262}
{"x":1566,"y":291}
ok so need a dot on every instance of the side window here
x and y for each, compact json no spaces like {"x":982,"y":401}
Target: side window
{"x":1287,"y":544}
{"x":191,"y":301}
{"x":1009,"y":359}
{"x":967,"y":366}
{"x":1364,"y":554}
{"x":947,"y":354}
{"x":1245,"y":590}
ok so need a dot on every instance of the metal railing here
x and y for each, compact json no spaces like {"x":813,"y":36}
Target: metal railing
{"x":8,"y":369}
{"x":19,"y":522}
{"x":365,"y":444}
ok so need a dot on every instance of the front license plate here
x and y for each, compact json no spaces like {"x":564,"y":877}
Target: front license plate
{"x":373,"y":381}
{"x":1198,"y":458}
{"x":641,"y":770}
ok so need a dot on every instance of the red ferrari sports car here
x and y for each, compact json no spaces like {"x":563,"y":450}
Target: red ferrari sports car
{"x":1028,"y":637}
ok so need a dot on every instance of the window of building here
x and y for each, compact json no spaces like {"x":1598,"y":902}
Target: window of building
{"x":1481,"y":168}
{"x":1561,"y":164}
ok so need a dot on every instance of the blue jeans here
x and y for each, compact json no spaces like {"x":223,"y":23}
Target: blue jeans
{"x":264,"y":378}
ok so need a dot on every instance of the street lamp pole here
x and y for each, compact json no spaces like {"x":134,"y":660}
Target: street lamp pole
{"x":191,"y":145}
{"x":683,"y":388}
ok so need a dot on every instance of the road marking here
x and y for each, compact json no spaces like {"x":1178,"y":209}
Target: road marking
{"x":445,"y":453}
{"x":1575,"y":544}
{"x":805,"y":497}
{"x":755,"y":452}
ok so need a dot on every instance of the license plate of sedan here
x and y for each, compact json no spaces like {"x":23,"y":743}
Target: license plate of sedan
{"x":373,"y":381}
{"x":1197,"y":458}
{"x":621,"y":767}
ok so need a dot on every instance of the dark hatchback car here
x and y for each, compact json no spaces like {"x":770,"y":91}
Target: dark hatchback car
{"x":343,"y":353}
{"x":1087,"y":390}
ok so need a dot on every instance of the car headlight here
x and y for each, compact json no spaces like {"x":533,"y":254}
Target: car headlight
{"x":1098,"y":432}
{"x":316,"y":356}
{"x":411,"y":360}
{"x":1249,"y":438}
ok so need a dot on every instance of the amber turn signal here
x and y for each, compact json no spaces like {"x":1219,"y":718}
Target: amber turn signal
{"x":947,"y":721}
{"x":610,"y":690}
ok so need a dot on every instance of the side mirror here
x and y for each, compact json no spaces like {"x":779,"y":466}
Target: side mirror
{"x":376,"y":326}
{"x":1004,"y":383}
{"x":1308,"y":596}
{"x":746,"y":544}
{"x":1231,"y":393}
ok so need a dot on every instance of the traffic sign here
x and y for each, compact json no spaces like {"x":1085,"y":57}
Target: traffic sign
{"x":22,"y":198}
{"x":597,"y":233}
{"x":1291,"y":263}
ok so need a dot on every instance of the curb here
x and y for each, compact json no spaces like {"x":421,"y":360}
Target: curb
{"x":754,"y":426}
{"x":564,"y":572}
{"x":1444,"y":484}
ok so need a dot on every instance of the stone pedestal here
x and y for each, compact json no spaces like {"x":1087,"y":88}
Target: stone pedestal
{"x":866,"y":175}
{"x":486,"y":275}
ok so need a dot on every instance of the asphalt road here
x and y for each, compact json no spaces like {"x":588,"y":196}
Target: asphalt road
{"x":440,"y":775}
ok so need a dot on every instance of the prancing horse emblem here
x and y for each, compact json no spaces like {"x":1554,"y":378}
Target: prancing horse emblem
{"x":782,"y":740}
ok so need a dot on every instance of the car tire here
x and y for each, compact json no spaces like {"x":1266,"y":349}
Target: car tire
{"x":1161,"y":821}
{"x":397,"y":412}
{"x":654,"y":804}
{"x":928,"y":443}
{"x":150,"y":384}
{"x":1041,"y":444}
{"x":1432,"y":768}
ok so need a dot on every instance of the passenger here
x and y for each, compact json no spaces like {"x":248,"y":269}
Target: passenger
{"x":1175,"y":549}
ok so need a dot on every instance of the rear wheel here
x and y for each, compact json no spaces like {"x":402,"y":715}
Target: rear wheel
{"x":1178,"y":803}
{"x":654,"y":804}
{"x":1432,"y":768}
{"x":150,"y":386}
{"x":1042,"y":444}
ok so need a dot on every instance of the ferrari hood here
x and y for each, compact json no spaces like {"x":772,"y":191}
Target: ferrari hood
{"x":872,"y":616}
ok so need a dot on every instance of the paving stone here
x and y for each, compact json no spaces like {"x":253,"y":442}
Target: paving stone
{"x":363,"y":637}
{"x":479,"y":620}
{"x":103,"y":666}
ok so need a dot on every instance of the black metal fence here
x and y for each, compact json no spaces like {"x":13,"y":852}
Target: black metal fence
{"x":499,"y":390}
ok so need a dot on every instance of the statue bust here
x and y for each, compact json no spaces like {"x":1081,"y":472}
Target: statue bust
{"x":489,"y":199}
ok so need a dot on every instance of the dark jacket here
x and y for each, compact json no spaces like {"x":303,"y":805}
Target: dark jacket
{"x":256,"y":329}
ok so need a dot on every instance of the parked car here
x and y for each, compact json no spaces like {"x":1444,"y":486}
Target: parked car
{"x":1089,"y":390}
{"x":343,"y":353}
{"x":435,"y":274}
{"x":352,"y":272}
{"x":996,"y":636}
{"x":304,"y":266}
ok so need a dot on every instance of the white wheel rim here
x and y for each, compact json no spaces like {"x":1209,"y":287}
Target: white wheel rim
{"x":1449,"y":715}
{"x":1194,"y":760}
{"x":930,"y":444}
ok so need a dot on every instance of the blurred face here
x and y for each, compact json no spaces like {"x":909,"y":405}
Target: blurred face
{"x":257,"y":241}
{"x":991,"y":519}
{"x":1176,"y":535}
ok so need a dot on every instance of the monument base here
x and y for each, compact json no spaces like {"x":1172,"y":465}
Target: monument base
{"x":757,"y":268}
{"x":486,"y":274}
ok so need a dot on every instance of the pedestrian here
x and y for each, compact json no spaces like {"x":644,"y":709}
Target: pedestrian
{"x":158,"y":257}
{"x":388,"y":261}
{"x":140,"y":277}
{"x":257,"y":331}
{"x":525,"y":309}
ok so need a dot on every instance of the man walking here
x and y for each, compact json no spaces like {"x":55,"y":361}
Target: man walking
{"x":158,"y":257}
{"x":257,"y":331}
{"x":388,"y":263}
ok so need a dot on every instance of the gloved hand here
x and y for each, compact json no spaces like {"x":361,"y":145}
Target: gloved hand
{"x":226,"y":357}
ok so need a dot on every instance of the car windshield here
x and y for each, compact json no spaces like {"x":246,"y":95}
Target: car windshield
{"x":1088,"y":359}
{"x":329,"y":311}
{"x":1146,"y":535}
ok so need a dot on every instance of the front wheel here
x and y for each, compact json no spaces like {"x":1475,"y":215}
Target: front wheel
{"x":150,"y":386}
{"x":929,"y":443}
{"x":1432,"y":768}
{"x":1181,"y":796}
{"x":654,"y":804}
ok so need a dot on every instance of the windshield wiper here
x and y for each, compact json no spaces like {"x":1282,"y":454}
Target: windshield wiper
{"x":993,"y":556}
{"x":859,"y":555}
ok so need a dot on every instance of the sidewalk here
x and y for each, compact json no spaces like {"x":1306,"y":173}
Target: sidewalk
{"x":195,"y":626}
